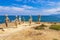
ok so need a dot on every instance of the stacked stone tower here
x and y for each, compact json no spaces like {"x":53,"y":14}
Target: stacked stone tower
{"x":6,"y":20}
{"x":30,"y":20}
{"x":38,"y":19}
{"x":16,"y":21}
{"x":19,"y":20}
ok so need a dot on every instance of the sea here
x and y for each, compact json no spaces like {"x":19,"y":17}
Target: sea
{"x":34,"y":18}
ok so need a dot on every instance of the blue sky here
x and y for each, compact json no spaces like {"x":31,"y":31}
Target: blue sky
{"x":29,"y":7}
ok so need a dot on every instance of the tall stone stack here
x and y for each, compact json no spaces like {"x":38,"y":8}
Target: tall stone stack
{"x":19,"y":20}
{"x":30,"y":20}
{"x":23,"y":19}
{"x":16,"y":21}
{"x":6,"y":20}
{"x":38,"y":19}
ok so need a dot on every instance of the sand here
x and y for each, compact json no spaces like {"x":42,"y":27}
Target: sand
{"x":26,"y":32}
{"x":31,"y":34}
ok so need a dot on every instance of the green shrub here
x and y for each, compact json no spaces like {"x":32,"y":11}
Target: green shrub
{"x":55,"y":27}
{"x":40,"y":27}
{"x":55,"y":39}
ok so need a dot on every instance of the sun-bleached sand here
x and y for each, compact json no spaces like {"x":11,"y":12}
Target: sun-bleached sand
{"x":27,"y":32}
{"x":31,"y":34}
{"x":8,"y":31}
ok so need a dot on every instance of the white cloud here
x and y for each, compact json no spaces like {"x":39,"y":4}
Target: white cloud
{"x":51,"y":3}
{"x":24,"y":10}
{"x":54,"y":4}
{"x":3,"y":8}
{"x":27,"y":7}
{"x":53,"y":10}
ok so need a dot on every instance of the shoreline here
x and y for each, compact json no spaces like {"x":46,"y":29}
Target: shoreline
{"x":13,"y":23}
{"x":25,"y":29}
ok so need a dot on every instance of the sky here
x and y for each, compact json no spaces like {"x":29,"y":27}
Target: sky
{"x":29,"y":7}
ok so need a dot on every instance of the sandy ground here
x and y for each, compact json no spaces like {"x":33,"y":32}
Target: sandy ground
{"x":10,"y":30}
{"x":26,"y":32}
{"x":31,"y":34}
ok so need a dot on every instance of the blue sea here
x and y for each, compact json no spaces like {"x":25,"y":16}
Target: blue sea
{"x":34,"y":18}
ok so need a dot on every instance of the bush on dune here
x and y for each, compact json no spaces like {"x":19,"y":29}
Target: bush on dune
{"x":40,"y":27}
{"x":55,"y":27}
{"x":55,"y":39}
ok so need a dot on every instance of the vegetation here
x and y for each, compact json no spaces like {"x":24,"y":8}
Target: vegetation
{"x":55,"y":39}
{"x":41,"y":27}
{"x":55,"y":27}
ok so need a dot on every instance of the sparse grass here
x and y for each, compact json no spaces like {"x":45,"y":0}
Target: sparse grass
{"x":55,"y":27}
{"x":41,"y":27}
{"x":55,"y":39}
{"x":38,"y":28}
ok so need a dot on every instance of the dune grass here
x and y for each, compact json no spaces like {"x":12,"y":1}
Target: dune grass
{"x":40,"y":27}
{"x":55,"y":27}
{"x":55,"y":39}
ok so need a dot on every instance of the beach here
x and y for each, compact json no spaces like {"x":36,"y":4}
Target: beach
{"x":29,"y":19}
{"x":27,"y":32}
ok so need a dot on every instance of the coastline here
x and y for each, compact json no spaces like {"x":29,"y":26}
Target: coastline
{"x":9,"y":29}
{"x":13,"y":24}
{"x":24,"y":31}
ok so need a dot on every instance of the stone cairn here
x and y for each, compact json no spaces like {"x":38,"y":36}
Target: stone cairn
{"x":38,"y":19}
{"x":30,"y":20}
{"x":6,"y":20}
{"x":23,"y":20}
{"x":19,"y":20}
{"x":16,"y":21}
